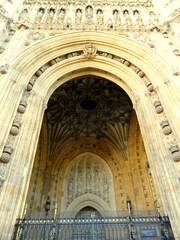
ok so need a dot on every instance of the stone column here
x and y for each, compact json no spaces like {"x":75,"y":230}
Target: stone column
{"x":18,"y":172}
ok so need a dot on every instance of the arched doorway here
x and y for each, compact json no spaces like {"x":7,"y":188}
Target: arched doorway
{"x":86,"y":153}
{"x":89,"y":233}
{"x":88,"y":212}
{"x":86,"y":115}
{"x":123,"y":73}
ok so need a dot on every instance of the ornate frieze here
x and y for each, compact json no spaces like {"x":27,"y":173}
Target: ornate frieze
{"x":113,"y":15}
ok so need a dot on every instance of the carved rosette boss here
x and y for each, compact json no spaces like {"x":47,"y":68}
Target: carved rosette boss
{"x":90,"y":51}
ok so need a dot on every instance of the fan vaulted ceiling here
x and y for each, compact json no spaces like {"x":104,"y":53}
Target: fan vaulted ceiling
{"x":89,"y":107}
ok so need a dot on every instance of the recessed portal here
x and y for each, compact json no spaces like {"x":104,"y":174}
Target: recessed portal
{"x":90,"y":165}
{"x":90,"y":140}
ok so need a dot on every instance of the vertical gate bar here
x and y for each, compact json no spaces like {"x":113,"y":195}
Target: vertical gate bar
{"x":25,"y":230}
{"x":115,"y":224}
{"x":101,"y":229}
{"x":65,"y":227}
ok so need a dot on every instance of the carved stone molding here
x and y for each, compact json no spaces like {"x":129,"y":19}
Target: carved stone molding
{"x":22,"y":107}
{"x":39,"y":72}
{"x":6,"y":155}
{"x":140,"y":73}
{"x":150,"y":87}
{"x":175,"y":152}
{"x":30,"y":85}
{"x":90,"y":51}
{"x":15,"y":128}
{"x":158,"y":106}
{"x":166,"y":127}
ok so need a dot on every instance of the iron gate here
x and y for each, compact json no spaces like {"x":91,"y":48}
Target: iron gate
{"x":101,"y":228}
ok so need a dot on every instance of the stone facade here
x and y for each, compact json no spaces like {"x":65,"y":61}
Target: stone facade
{"x":134,"y":44}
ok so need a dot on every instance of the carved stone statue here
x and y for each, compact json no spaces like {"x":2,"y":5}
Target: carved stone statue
{"x":89,"y":15}
{"x":50,"y":15}
{"x":127,"y":17}
{"x":61,"y":15}
{"x":99,"y":16}
{"x":78,"y":16}
{"x":117,"y":20}
{"x":138,"y":18}
{"x":39,"y":15}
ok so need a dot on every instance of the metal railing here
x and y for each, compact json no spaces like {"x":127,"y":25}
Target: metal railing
{"x":122,"y":226}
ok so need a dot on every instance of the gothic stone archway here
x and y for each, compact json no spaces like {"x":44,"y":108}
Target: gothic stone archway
{"x":44,"y":67}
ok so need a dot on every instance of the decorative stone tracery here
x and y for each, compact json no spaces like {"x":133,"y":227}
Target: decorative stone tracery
{"x":88,"y":173}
